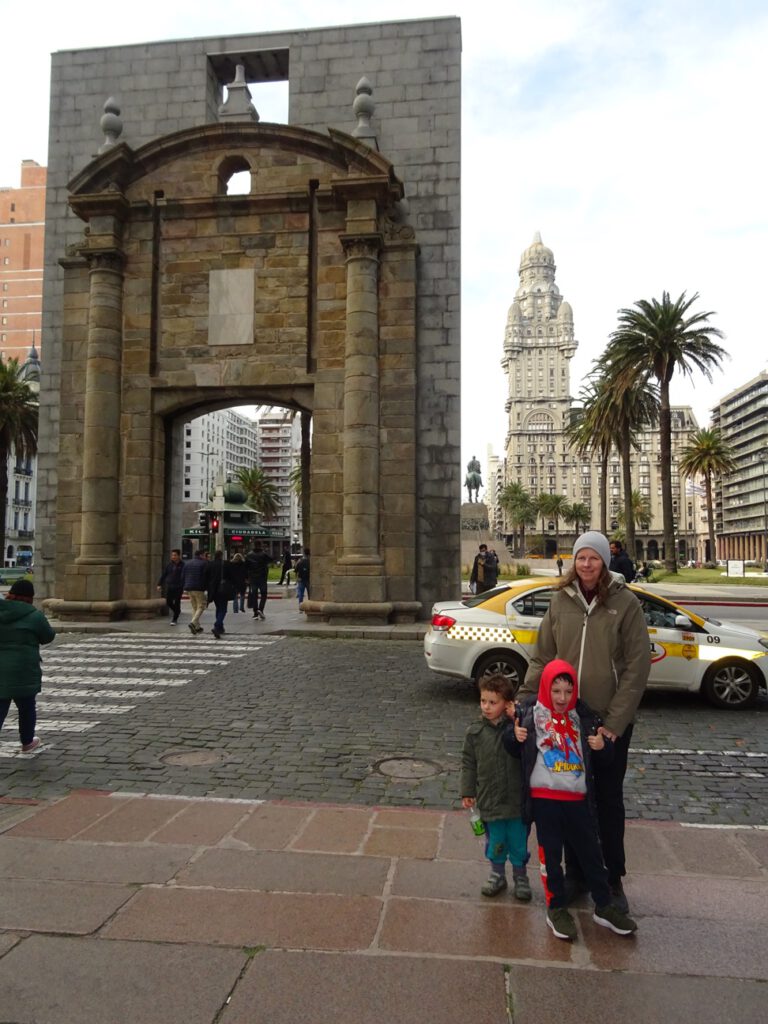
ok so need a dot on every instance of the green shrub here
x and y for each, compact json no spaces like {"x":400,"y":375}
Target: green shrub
{"x":523,"y":569}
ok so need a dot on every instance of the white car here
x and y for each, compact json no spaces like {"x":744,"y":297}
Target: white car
{"x":496,"y":632}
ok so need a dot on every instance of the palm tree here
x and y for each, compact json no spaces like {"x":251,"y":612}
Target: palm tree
{"x":706,"y":454}
{"x":261,"y":493}
{"x":553,"y":505}
{"x":577,"y":515}
{"x":653,"y":339}
{"x":520,"y":509}
{"x":592,"y":431}
{"x":18,"y":428}
{"x":641,"y":511}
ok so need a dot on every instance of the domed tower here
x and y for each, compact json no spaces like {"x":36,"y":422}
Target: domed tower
{"x":539,"y":344}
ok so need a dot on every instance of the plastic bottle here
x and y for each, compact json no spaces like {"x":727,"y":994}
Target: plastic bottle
{"x":477,"y":824}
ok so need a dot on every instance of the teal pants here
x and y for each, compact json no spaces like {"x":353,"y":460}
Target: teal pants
{"x":507,"y":840}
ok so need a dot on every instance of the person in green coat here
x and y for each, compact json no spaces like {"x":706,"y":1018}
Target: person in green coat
{"x":22,"y":629}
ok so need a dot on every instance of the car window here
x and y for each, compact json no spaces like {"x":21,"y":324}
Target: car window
{"x":534,"y":605}
{"x":475,"y":599}
{"x":658,"y":615}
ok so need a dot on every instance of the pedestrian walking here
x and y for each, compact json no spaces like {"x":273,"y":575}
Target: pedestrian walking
{"x":257,"y":562}
{"x":22,"y":630}
{"x":194,"y":579}
{"x":238,"y":574}
{"x":302,"y":577}
{"x":596,"y":623}
{"x":286,"y":566}
{"x":558,"y":740}
{"x":559,"y":564}
{"x":170,"y":584}
{"x":485,"y":570}
{"x":490,"y":781}
{"x":220,"y":591}
{"x":621,"y":562}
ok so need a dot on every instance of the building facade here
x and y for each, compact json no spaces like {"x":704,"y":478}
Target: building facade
{"x":215,"y":445}
{"x":742,"y":496}
{"x":539,"y":343}
{"x":22,"y":238}
{"x":279,"y":440}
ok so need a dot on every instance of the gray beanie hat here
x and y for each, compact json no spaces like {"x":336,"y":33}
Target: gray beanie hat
{"x":597,"y":541}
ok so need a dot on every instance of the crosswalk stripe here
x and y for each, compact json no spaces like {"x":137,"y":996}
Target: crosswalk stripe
{"x":76,"y":677}
{"x":110,"y":658}
{"x":61,"y":707}
{"x":57,"y":691}
{"x":112,"y":667}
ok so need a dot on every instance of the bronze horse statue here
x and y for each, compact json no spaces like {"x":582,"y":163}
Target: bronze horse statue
{"x":473,"y":481}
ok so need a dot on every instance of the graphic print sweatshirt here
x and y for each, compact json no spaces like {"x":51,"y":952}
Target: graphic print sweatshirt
{"x":559,"y":770}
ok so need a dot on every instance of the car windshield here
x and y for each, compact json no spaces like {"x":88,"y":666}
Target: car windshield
{"x":475,"y":599}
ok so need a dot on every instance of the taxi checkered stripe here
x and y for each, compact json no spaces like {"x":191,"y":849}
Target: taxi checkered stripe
{"x":490,"y":633}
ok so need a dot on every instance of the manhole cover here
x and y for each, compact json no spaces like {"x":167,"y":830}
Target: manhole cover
{"x":407,"y":768}
{"x":192,"y":758}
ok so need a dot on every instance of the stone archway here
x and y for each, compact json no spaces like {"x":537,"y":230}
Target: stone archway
{"x":180,"y":295}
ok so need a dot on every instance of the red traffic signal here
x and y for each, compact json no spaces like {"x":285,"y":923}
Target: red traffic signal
{"x":214,"y":524}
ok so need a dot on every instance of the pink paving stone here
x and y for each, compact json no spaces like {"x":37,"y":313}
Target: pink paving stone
{"x":457,"y":841}
{"x":450,"y":880}
{"x":755,"y":844}
{"x":66,"y":817}
{"x":91,"y":862}
{"x":711,"y":852}
{"x":290,"y":987}
{"x":249,"y":919}
{"x":694,"y":896}
{"x":404,"y":818}
{"x":73,"y":907}
{"x":401,"y":842}
{"x":272,"y":826}
{"x":57,"y":980}
{"x":202,"y":824}
{"x":134,"y":821}
{"x":648,"y":849}
{"x":463,"y":929}
{"x":335,"y":831}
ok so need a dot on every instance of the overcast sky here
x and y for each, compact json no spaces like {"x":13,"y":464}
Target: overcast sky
{"x":631,"y":134}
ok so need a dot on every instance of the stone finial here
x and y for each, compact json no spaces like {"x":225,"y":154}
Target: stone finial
{"x":363,"y":108}
{"x":111,"y":124}
{"x":237,"y":106}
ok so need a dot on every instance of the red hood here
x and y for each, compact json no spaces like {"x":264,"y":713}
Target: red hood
{"x":558,"y":667}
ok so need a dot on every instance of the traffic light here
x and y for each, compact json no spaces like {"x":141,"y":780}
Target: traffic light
{"x":202,"y":520}
{"x":214,"y":524}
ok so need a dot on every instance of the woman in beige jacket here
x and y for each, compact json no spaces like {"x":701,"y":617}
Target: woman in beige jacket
{"x":596,"y":623}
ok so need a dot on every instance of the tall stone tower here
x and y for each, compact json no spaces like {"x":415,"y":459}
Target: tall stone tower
{"x":538,"y":347}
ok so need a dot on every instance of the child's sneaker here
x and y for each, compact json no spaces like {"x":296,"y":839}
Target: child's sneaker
{"x":494,"y":885}
{"x":522,"y":888}
{"x":562,"y":924}
{"x":611,"y":917}
{"x":27,"y":748}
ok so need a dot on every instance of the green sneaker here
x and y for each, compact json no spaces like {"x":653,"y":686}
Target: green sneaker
{"x":613,"y":918}
{"x":522,"y":888}
{"x":494,"y":885}
{"x":561,"y":923}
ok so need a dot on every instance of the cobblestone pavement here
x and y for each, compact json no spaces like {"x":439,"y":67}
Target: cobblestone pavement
{"x":352,"y":721}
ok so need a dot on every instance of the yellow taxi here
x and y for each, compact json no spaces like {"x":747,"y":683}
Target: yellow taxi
{"x":496,"y":632}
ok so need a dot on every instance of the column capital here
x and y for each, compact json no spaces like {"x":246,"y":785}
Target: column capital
{"x":105,"y":259}
{"x":362,"y":246}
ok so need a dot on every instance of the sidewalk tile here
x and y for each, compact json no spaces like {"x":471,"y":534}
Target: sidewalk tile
{"x":674,"y":946}
{"x":445,"y":880}
{"x":249,"y":919}
{"x":67,"y":817}
{"x":539,"y":994}
{"x":134,"y":821}
{"x":272,"y":826}
{"x":402,"y":842}
{"x":458,"y":841}
{"x":88,"y":862}
{"x":711,"y":852}
{"x":464,"y":929}
{"x":405,"y":818}
{"x":332,"y":830}
{"x":756,"y":845}
{"x":332,"y":988}
{"x":115,"y":982}
{"x":75,"y":907}
{"x":201,"y":824}
{"x":649,"y":850}
{"x":694,"y":896}
{"x":288,"y":872}
{"x":7,"y":941}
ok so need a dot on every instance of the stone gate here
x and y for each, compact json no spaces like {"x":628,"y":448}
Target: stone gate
{"x":327,"y":288}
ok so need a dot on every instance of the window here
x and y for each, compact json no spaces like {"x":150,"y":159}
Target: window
{"x":534,"y":605}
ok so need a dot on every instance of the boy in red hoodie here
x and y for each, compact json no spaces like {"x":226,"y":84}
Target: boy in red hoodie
{"x":549,"y":736}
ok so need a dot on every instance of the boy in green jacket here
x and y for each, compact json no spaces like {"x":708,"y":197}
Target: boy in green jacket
{"x":490,"y":780}
{"x":22,"y":629}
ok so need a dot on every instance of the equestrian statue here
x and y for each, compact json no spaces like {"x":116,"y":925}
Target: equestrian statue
{"x":473,"y":481}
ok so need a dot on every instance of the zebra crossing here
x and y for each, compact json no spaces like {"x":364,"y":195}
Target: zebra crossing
{"x":109,"y":674}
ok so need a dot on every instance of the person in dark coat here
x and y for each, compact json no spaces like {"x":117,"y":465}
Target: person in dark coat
{"x":170,"y":583}
{"x":22,"y":630}
{"x":302,"y":577}
{"x":238,"y":573}
{"x":287,"y":565}
{"x":485,"y":570}
{"x":258,"y":563}
{"x":220,"y":591}
{"x":621,"y":562}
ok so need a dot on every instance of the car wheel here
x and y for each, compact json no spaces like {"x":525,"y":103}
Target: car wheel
{"x":731,"y":684}
{"x":505,"y":663}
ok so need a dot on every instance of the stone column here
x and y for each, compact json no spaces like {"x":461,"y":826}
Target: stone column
{"x":359,"y":575}
{"x":101,"y":433}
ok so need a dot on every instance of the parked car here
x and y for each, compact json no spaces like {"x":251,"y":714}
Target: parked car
{"x":496,"y":632}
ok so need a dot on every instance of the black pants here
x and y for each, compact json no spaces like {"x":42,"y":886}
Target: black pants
{"x":173,"y":600}
{"x":558,"y":821}
{"x":257,"y":598}
{"x":609,"y":794}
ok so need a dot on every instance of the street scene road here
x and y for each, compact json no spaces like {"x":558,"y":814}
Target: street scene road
{"x":344,"y":721}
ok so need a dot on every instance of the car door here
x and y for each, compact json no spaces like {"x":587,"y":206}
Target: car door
{"x":674,"y":649}
{"x":524,"y":615}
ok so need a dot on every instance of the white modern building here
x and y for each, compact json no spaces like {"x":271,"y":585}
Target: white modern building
{"x":215,"y":445}
{"x":279,"y":440}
